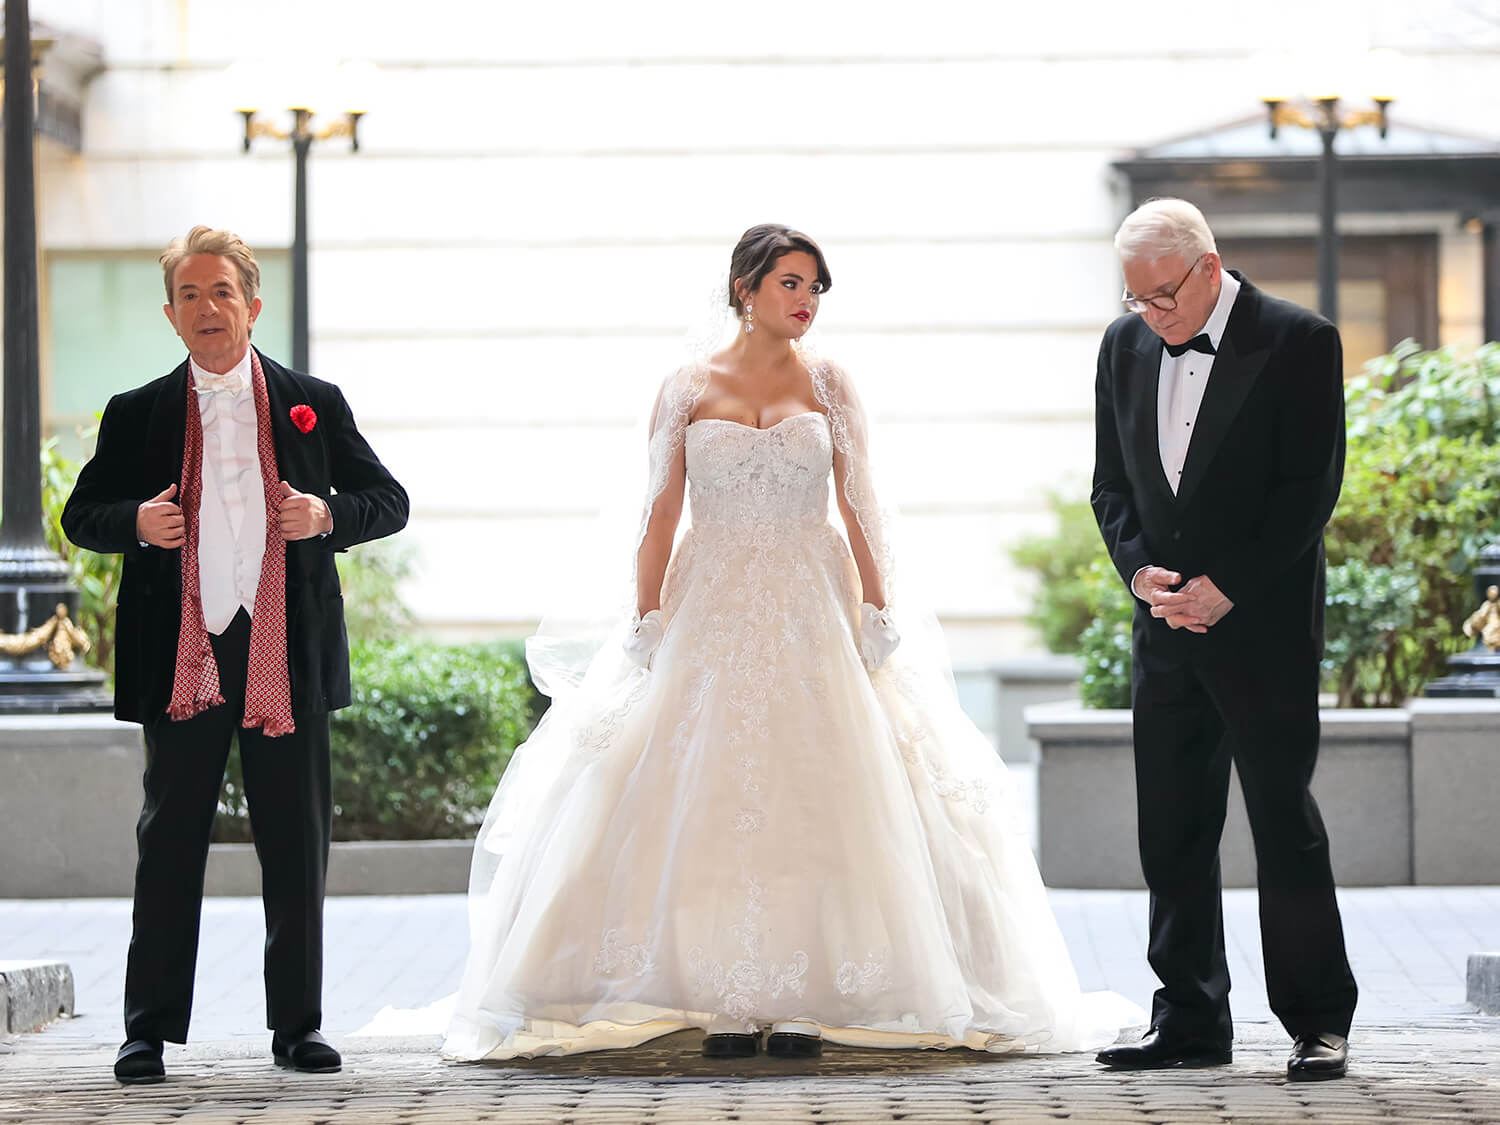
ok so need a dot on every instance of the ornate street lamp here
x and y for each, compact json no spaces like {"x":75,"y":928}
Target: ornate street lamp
{"x":39,"y":640}
{"x":352,"y":82}
{"x":1475,"y":673}
{"x":1323,"y":113}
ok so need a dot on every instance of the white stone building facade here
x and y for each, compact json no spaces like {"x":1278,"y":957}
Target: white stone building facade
{"x":545,"y":195}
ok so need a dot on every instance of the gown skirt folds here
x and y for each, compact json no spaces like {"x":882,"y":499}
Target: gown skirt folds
{"x":757,"y":829}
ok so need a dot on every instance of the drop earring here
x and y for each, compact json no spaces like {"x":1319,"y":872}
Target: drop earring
{"x":749,"y":319}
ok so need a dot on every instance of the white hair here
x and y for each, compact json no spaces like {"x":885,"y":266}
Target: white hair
{"x":1163,"y":228}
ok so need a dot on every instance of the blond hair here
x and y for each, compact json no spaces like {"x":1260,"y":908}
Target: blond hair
{"x":223,"y":243}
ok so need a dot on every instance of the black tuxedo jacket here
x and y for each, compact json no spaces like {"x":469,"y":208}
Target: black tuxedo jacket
{"x":1262,"y":475}
{"x":139,"y":453}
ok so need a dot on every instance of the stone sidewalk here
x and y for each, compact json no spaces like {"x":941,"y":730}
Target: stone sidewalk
{"x":1442,"y":1070}
{"x":1419,"y":1053}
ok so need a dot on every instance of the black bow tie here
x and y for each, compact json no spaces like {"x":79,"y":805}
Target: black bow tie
{"x":1199,"y":343}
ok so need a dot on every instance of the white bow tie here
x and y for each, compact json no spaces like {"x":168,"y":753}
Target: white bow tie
{"x":232,"y":382}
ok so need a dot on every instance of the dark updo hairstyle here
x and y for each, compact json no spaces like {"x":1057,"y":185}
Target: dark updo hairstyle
{"x":758,"y":251}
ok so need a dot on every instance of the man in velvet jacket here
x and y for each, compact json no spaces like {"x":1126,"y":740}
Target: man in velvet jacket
{"x":228,"y":484}
{"x":1219,"y":457}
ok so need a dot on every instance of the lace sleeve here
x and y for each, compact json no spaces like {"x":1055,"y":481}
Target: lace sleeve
{"x":852,"y":472}
{"x":675,"y":403}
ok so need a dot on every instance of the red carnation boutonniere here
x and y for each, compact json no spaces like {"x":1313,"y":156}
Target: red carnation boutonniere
{"x":304,"y":418}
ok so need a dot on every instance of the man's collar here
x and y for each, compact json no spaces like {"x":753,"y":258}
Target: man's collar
{"x":1218,"y":320}
{"x":236,"y":379}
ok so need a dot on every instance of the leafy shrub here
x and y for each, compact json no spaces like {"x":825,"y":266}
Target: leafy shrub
{"x":1104,"y":647}
{"x":97,"y":577}
{"x":1370,"y":610}
{"x":1060,"y":612}
{"x":371,"y":575}
{"x":1421,"y":498}
{"x":421,"y":749}
{"x":1427,"y":394}
{"x":536,"y":703}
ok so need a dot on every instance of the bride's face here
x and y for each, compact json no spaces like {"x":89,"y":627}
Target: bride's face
{"x":786,"y":303}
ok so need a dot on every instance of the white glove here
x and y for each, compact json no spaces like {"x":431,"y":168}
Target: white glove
{"x":644,"y":637}
{"x":877,"y":635}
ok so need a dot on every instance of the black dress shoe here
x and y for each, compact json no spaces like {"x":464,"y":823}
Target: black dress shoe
{"x":1157,"y":1051}
{"x":308,"y":1052}
{"x":793,"y":1045}
{"x":730,"y":1045}
{"x":1318,"y":1057}
{"x":139,"y":1063}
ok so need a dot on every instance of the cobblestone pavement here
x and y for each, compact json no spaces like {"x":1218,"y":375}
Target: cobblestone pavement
{"x":1419,"y":1054}
{"x":1439,"y":1070}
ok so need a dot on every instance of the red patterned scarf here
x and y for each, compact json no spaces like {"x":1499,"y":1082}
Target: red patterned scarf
{"x":268,"y":690}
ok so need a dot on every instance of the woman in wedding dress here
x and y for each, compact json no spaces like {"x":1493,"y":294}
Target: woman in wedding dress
{"x":758,"y":809}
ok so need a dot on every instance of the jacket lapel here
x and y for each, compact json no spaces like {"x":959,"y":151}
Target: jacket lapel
{"x":167,"y":431}
{"x":289,"y":442}
{"x":298,"y":462}
{"x":1241,"y":358}
{"x":1143,"y":371}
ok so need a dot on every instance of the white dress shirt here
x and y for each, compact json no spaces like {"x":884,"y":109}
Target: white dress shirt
{"x":1180,"y":389}
{"x":232,"y":510}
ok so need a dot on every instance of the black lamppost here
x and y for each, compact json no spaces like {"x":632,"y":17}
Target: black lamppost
{"x":1329,"y":120}
{"x":302,"y":135}
{"x":39,"y":638}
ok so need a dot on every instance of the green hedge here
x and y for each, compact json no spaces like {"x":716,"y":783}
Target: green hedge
{"x":1060,"y":612}
{"x":1421,"y":499}
{"x":1104,"y":645}
{"x":420,"y":751}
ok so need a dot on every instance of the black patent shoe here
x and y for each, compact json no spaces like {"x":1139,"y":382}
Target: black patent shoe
{"x":1157,"y":1051}
{"x":730,"y":1045}
{"x":308,"y":1052}
{"x":786,"y":1043}
{"x":139,"y":1063}
{"x":1316,"y":1058}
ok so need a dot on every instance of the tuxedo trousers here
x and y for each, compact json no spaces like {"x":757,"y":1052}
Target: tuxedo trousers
{"x":1200,"y":703}
{"x":288,"y":791}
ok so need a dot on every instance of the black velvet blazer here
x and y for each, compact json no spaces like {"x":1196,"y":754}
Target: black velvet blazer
{"x":139,"y":453}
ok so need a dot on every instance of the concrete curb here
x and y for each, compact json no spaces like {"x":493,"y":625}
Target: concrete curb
{"x":33,"y":994}
{"x":1484,"y":982}
{"x":355,"y":867}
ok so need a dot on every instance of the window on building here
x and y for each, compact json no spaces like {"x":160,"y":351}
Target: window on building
{"x":104,"y":332}
{"x":1387,"y":286}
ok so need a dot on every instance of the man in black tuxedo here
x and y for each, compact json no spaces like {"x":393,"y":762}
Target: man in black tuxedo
{"x":1219,"y":457}
{"x":228,"y":484}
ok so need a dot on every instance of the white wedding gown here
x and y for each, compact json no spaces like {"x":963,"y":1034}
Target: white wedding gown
{"x":758,"y":829}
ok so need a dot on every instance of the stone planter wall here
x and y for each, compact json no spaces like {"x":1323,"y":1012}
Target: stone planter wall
{"x":1405,"y":795}
{"x":70,"y":794}
{"x":355,"y":867}
{"x":1455,"y":773}
{"x":996,"y":695}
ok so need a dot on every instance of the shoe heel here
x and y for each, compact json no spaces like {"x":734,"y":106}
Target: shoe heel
{"x":730,"y":1045}
{"x":794,"y":1041}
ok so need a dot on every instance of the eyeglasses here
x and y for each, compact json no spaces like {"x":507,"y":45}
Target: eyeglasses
{"x":1162,"y":302}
